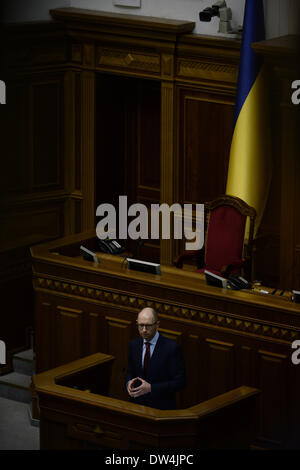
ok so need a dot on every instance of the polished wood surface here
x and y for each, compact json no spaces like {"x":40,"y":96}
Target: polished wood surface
{"x":80,"y":391}
{"x":65,"y":253}
{"x":231,"y":338}
{"x":102,"y":19}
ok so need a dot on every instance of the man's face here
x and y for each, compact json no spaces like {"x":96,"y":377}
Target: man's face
{"x":146,"y":324}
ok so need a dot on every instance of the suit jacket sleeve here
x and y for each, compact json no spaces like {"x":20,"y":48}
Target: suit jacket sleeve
{"x":130,"y":373}
{"x":176,"y":380}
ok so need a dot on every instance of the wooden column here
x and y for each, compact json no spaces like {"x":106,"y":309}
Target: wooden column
{"x":289,"y":180}
{"x":87,"y":82}
{"x":167,"y":160}
{"x":70,"y":150}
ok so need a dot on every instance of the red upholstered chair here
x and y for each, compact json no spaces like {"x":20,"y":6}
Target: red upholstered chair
{"x":225,"y":251}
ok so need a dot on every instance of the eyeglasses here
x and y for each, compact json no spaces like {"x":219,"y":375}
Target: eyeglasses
{"x":145,"y":325}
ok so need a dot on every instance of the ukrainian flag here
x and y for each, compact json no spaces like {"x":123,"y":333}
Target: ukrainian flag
{"x":249,"y":171}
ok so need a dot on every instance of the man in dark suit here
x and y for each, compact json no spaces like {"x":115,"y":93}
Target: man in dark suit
{"x":155,"y":365}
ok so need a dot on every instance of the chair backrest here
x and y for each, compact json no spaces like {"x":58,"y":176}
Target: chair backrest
{"x":226,"y":223}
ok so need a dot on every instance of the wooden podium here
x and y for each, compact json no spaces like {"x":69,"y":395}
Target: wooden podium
{"x":77,"y":412}
{"x":228,"y":338}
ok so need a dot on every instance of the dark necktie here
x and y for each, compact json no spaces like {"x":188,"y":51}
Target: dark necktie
{"x":146,"y":358}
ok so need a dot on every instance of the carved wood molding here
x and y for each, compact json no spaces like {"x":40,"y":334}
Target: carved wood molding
{"x":202,"y":316}
{"x":200,"y":69}
{"x":233,"y":201}
{"x":127,"y":59}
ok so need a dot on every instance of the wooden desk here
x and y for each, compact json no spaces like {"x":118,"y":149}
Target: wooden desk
{"x":228,"y":338}
{"x":76,"y":413}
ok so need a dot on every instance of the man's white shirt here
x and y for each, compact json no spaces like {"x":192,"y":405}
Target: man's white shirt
{"x":152,"y":346}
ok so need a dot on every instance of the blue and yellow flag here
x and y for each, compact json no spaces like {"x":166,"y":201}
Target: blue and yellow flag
{"x":249,"y":171}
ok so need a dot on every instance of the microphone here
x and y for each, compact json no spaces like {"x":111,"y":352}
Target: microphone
{"x":133,"y":254}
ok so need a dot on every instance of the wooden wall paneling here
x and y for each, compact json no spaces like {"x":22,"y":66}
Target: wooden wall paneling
{"x":142,"y":150}
{"x":266,"y":248}
{"x":94,"y":333}
{"x":272,"y":379}
{"x":194,"y":392}
{"x":288,"y":188}
{"x":220,"y":364}
{"x":47,"y":133}
{"x":45,"y":344}
{"x":205,"y":139}
{"x":118,"y":334}
{"x":55,"y":436}
{"x":69,"y":334}
{"x":36,"y":151}
{"x":282,"y":57}
{"x":172,"y":334}
{"x":205,"y":120}
{"x":31,"y":222}
{"x":177,"y":337}
{"x":206,"y":77}
{"x":31,"y":212}
{"x":15,"y":174}
{"x":246,"y":365}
